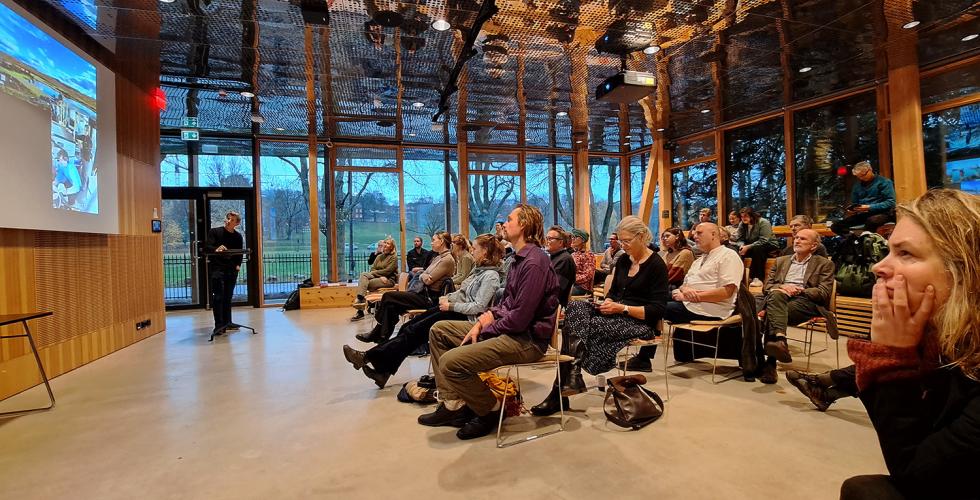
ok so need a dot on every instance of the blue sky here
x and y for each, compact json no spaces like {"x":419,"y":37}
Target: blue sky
{"x":30,"y":45}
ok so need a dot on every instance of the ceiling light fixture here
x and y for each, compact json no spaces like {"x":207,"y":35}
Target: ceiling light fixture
{"x":911,"y":24}
{"x":578,"y":141}
{"x":561,"y":113}
{"x":967,"y":38}
{"x":411,"y":134}
{"x":704,"y":111}
{"x":626,"y":144}
{"x":246,"y":94}
{"x":806,"y":69}
{"x":628,"y":136}
{"x":653,"y":49}
{"x":441,"y":25}
{"x":418,"y":105}
{"x":280,"y":129}
{"x":167,"y":1}
{"x":661,"y":129}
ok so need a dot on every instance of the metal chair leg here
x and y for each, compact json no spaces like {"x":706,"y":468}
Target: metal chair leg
{"x":44,"y":376}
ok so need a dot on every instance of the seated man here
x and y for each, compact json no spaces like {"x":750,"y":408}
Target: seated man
{"x":383,"y":273}
{"x":556,"y":243}
{"x":802,"y":222}
{"x":709,"y":290}
{"x":871,"y":198}
{"x":518,"y":330}
{"x":798,"y":288}
{"x":609,"y":259}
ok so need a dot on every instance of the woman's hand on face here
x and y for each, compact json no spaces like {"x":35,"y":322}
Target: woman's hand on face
{"x":609,"y":307}
{"x":893,"y":323}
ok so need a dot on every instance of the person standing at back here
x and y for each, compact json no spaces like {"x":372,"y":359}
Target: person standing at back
{"x":223,"y":269}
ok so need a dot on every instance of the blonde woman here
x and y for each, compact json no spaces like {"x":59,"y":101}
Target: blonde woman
{"x":634,"y":304}
{"x":464,"y":259}
{"x":919,"y":377}
{"x":384,"y":272}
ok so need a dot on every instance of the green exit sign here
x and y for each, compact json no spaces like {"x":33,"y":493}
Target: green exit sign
{"x":189,"y":122}
{"x":190,"y":134}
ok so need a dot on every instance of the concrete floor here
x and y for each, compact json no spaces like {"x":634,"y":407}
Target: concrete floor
{"x":283,"y":415}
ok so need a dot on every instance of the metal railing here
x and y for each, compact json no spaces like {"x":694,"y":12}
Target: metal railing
{"x":282,"y":272}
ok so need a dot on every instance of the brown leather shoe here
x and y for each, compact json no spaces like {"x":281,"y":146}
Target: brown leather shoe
{"x":810,"y":386}
{"x":779,"y":350}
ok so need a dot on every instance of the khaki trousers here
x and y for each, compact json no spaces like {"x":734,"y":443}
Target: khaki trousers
{"x":365,"y":284}
{"x":457,"y":367}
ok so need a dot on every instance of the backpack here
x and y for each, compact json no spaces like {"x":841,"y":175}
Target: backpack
{"x":855,"y":259}
{"x":292,"y":302}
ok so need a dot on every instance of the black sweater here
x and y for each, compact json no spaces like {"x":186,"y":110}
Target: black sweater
{"x":929,"y":431}
{"x":418,"y":257}
{"x":564,"y":267}
{"x":648,"y":288}
{"x":218,"y":236}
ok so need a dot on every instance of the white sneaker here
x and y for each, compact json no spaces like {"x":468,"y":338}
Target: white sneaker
{"x":755,"y":282}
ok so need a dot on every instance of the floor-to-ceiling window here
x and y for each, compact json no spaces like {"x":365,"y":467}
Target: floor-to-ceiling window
{"x":693,"y":187}
{"x":605,"y":199}
{"x":550,"y":187}
{"x":494,"y":189}
{"x":756,"y":169}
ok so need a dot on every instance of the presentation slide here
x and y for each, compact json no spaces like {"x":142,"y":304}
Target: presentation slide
{"x":57,"y":132}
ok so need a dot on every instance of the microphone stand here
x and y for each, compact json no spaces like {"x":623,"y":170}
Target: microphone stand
{"x":207,"y":260}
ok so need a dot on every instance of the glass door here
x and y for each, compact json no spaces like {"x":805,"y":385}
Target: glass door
{"x":188,"y":214}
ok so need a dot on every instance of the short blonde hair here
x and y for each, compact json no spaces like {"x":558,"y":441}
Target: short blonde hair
{"x":634,"y":225}
{"x":957,"y":321}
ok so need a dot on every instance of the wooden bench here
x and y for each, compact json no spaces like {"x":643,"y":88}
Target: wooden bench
{"x":785,"y":232}
{"x":328,"y":296}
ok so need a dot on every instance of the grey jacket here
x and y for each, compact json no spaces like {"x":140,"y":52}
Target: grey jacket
{"x":475,"y":293}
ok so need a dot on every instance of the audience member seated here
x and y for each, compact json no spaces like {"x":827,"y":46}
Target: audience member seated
{"x":518,"y":330}
{"x":418,"y":258}
{"x":709,"y":290}
{"x":704,"y":215}
{"x":825,"y":388}
{"x":595,"y":332}
{"x":798,"y":288}
{"x":872,"y":198}
{"x":383,"y":273}
{"x":732,"y":229}
{"x":466,"y":304}
{"x":756,"y":232}
{"x":919,"y":376}
{"x":609,"y":259}
{"x":855,"y":258}
{"x":379,"y":249}
{"x":726,"y":242}
{"x":431,"y":283}
{"x":464,"y":260}
{"x":584,"y":263}
{"x":676,"y":254}
{"x":795,"y":224}
{"x":556,"y":243}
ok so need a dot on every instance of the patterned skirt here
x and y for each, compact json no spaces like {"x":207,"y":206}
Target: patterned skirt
{"x":603,"y":335}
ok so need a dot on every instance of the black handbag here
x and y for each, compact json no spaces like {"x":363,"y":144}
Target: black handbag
{"x":633,"y":406}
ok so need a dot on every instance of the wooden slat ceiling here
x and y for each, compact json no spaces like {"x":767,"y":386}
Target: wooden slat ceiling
{"x":733,"y":58}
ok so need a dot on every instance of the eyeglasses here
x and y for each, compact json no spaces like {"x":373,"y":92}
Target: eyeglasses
{"x":625,"y":241}
{"x":552,"y":238}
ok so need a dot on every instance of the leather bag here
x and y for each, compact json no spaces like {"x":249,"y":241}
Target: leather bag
{"x":628,"y":404}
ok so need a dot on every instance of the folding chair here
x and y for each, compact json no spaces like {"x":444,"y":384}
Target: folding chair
{"x":701,"y":327}
{"x":551,"y":358}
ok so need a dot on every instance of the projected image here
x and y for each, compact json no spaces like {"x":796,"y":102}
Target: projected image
{"x":36,"y":68}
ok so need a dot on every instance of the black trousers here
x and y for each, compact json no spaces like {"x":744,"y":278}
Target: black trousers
{"x":845,"y":380}
{"x":222,"y":289}
{"x":675,"y":313}
{"x":872,"y":487}
{"x":759,"y":254}
{"x":393,"y":305}
{"x":387,"y":356}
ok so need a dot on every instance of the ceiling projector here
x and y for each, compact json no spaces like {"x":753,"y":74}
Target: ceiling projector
{"x":626,"y":87}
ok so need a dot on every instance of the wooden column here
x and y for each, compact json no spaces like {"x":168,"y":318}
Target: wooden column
{"x":904,"y":103}
{"x":583,"y":207}
{"x":314,"y":207}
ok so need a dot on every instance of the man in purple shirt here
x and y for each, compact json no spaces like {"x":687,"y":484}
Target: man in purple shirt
{"x":517,"y":330}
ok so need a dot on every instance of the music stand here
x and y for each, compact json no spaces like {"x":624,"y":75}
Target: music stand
{"x":207,"y":260}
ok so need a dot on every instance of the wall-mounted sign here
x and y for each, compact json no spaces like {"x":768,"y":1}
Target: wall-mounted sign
{"x":189,"y":122}
{"x":190,"y":134}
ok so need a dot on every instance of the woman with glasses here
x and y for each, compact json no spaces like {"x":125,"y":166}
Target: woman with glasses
{"x":595,"y":332}
{"x":676,"y":254}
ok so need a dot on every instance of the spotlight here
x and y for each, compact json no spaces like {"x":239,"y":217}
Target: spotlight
{"x":705,"y":111}
{"x":578,"y":141}
{"x":411,"y":134}
{"x":911,"y":24}
{"x":561,"y":113}
{"x":246,"y":94}
{"x":418,"y":105}
{"x":653,"y":49}
{"x":441,"y":25}
{"x":280,"y":129}
{"x":167,"y":1}
{"x":967,"y":38}
{"x":661,"y":129}
{"x":806,"y":69}
{"x":628,"y":136}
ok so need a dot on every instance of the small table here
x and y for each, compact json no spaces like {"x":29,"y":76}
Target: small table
{"x":23,"y":318}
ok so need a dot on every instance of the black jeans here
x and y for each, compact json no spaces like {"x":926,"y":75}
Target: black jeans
{"x":871,"y":487}
{"x":387,"y":356}
{"x":759,"y":254}
{"x":845,"y":380}
{"x":675,"y":313}
{"x":222,"y":289}
{"x":393,"y":305}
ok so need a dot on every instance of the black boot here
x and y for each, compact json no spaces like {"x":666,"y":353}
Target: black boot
{"x":571,"y":372}
{"x":373,"y":336}
{"x":550,"y":404}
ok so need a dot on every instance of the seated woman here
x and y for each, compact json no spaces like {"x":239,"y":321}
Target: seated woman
{"x":471,"y":300}
{"x":584,"y":263}
{"x":919,"y":377}
{"x":384,"y":272}
{"x":756,"y":232}
{"x":464,"y":260}
{"x":595,"y":333}
{"x":676,"y":254}
{"x":394,"y":304}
